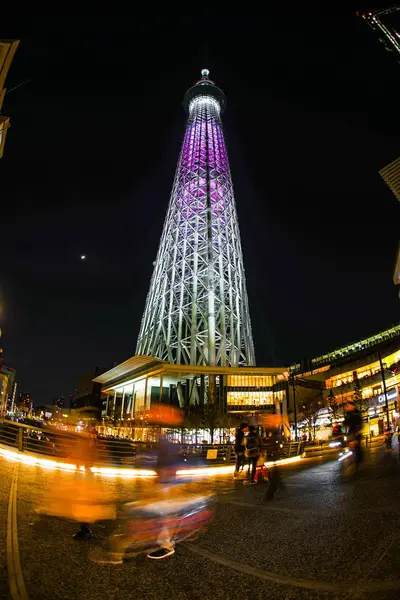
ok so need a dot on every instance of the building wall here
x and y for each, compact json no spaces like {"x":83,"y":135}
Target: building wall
{"x":239,"y":395}
{"x":7,"y":51}
{"x":338,"y":382}
{"x":11,"y":384}
{"x":3,"y":392}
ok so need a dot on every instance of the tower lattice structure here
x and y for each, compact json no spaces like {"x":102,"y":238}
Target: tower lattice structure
{"x":378,"y":21}
{"x":197,"y":308}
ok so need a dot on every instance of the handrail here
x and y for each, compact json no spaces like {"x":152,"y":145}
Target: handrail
{"x":51,"y":442}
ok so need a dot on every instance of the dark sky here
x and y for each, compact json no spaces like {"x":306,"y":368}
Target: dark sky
{"x":89,"y":163}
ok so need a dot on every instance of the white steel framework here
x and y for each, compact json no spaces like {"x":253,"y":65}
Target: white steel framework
{"x":376,"y":19}
{"x":197,"y":308}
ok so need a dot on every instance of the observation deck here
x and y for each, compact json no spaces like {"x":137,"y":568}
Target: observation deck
{"x":204,"y":87}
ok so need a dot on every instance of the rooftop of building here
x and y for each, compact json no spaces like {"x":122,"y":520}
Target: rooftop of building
{"x":139,"y":365}
{"x":350,"y":351}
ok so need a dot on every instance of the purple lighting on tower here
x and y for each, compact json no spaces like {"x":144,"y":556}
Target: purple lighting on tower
{"x":197,"y":309}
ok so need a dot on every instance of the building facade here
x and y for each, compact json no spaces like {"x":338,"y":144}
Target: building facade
{"x":3,"y":393}
{"x":24,"y":403}
{"x":197,"y":309}
{"x":8,"y":388}
{"x":210,"y":397}
{"x":88,"y":392}
{"x":366,"y":372}
{"x":7,"y":51}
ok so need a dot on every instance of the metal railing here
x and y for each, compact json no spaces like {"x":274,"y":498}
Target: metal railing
{"x":55,"y":443}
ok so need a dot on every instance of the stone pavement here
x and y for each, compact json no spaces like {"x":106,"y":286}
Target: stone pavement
{"x":318,"y":539}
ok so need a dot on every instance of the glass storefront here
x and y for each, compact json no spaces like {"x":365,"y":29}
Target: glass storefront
{"x":250,"y":381}
{"x":255,"y":399}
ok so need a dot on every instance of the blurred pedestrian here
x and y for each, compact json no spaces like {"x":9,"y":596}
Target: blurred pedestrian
{"x":337,"y":430}
{"x":240,"y":443}
{"x":85,"y":454}
{"x":274,"y":478}
{"x":353,"y":424}
{"x":252,"y":452}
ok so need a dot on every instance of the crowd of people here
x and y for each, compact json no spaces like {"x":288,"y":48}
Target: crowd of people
{"x":165,"y":511}
{"x":252,"y":450}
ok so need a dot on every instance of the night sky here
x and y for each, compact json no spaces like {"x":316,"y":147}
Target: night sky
{"x":90,"y":158}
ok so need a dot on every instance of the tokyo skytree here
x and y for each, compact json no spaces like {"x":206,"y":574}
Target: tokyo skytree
{"x":197,"y":308}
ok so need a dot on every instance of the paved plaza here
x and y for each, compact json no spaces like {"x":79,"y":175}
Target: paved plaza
{"x":319,"y":538}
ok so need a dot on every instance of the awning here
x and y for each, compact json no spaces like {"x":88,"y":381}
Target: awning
{"x":132,"y":366}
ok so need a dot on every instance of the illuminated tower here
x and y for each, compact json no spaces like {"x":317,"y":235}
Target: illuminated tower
{"x":197,"y":309}
{"x":386,"y":23}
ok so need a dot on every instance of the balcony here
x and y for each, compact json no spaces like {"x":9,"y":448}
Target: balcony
{"x":369,"y":381}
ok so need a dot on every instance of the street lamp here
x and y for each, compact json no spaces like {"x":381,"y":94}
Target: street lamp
{"x":384,"y":390}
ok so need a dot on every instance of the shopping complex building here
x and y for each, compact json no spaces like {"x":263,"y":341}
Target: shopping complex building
{"x":195,"y":347}
{"x":367,"y":371}
{"x":210,"y":397}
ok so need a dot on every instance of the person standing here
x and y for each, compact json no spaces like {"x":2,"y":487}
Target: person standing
{"x":252,"y":452}
{"x":240,"y":447}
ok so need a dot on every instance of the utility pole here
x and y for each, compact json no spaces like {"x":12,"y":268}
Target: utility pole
{"x":3,"y":405}
{"x":294,"y":409}
{"x":384,"y":390}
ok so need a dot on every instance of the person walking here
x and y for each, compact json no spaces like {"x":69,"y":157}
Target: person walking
{"x":252,"y":452}
{"x":85,"y":454}
{"x":166,"y":470}
{"x":353,"y":425}
{"x":274,"y":478}
{"x":240,"y":447}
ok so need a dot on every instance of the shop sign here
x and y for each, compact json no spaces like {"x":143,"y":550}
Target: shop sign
{"x":211,"y":454}
{"x":379,"y":401}
{"x":391,"y":395}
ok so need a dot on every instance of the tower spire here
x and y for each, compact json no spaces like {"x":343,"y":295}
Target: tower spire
{"x":197,"y":308}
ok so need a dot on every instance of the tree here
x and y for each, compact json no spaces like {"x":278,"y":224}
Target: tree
{"x":358,"y":397}
{"x":308,"y":403}
{"x":310,"y":414}
{"x":229,"y":421}
{"x":337,"y":410}
{"x":212,"y":417}
{"x":193,"y":420}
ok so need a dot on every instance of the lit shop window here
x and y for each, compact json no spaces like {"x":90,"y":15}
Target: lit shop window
{"x":250,"y":398}
{"x":250,"y":380}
